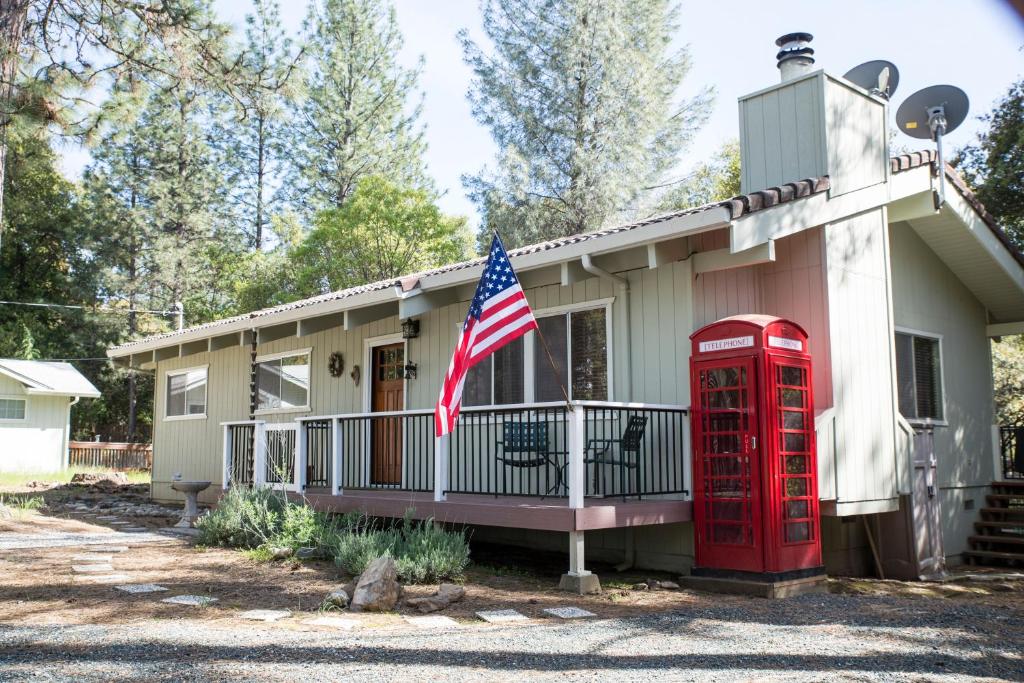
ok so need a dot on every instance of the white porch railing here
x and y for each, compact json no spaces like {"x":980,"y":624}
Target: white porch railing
{"x":551,"y":450}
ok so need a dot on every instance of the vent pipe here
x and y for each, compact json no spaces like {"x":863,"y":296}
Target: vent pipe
{"x":796,"y":56}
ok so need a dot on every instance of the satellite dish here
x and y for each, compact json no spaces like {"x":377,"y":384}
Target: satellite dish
{"x":930,"y":114}
{"x":878,"y":77}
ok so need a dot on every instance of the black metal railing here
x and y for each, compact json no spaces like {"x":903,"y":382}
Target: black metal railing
{"x":1011,"y":448}
{"x":389,"y":451}
{"x":634,"y":452}
{"x":240,"y":449}
{"x":517,"y":451}
{"x":318,"y":453}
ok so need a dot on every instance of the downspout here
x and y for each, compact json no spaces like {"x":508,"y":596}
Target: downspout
{"x":67,"y":435}
{"x":629,"y":552}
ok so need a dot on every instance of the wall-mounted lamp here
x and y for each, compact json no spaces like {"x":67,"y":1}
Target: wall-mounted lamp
{"x":410,"y":370}
{"x":410,"y":328}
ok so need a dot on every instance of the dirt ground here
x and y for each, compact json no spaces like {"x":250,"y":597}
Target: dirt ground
{"x":37,"y":586}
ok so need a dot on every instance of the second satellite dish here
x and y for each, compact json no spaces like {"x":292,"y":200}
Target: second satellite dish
{"x":933,"y":111}
{"x":878,"y":77}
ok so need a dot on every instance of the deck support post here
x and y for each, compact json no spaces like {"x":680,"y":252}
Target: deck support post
{"x":226,"y":467}
{"x":578,"y":579}
{"x":577,"y":468}
{"x":441,"y":468}
{"x":336,"y":457}
{"x":301,"y":456}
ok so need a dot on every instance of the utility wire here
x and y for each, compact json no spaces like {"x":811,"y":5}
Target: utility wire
{"x":86,"y":308}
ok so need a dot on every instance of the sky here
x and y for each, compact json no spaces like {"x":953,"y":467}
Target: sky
{"x":973,"y":44}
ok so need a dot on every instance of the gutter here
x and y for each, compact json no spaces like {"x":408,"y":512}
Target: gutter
{"x":587,"y":261}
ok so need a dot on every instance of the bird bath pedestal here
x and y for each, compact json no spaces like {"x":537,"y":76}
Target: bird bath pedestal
{"x":191,"y":490}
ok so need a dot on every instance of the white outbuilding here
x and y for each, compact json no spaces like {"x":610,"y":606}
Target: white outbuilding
{"x":35,"y":413}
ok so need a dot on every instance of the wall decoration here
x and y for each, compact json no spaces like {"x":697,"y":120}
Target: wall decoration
{"x":336,"y":364}
{"x":355,"y":374}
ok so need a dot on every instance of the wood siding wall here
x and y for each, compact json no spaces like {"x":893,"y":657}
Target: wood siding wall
{"x":37,"y":443}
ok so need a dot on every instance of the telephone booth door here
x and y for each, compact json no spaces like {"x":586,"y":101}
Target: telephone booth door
{"x":727,"y":472}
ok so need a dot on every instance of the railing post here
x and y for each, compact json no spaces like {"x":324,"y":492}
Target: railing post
{"x":577,"y":445}
{"x":301,"y":455}
{"x":259,"y":456}
{"x":226,"y":471}
{"x":441,"y":467}
{"x":336,"y":457}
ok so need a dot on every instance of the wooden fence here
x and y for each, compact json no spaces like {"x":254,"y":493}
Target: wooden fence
{"x":111,"y":456}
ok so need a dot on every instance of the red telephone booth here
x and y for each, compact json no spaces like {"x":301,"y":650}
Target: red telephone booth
{"x":755,"y":471}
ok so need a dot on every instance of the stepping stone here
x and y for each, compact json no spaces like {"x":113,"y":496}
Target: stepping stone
{"x":501,"y":616}
{"x":192,"y":600}
{"x":103,"y":578}
{"x":92,"y":557}
{"x":106,"y":518}
{"x":133,"y":529}
{"x":432,"y":621}
{"x":265,"y":614}
{"x":92,"y":568}
{"x":140,"y":588}
{"x":334,"y":622}
{"x":110,"y":548}
{"x":569,"y":612}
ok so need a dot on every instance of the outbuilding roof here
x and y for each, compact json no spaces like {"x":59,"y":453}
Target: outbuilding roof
{"x":48,"y":378}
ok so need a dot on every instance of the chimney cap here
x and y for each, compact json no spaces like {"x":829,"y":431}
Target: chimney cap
{"x":795,"y":53}
{"x":799,"y":36}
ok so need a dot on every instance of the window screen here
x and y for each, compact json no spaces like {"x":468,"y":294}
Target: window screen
{"x":283,"y":383}
{"x":918,"y":377}
{"x":12,"y":408}
{"x":186,"y":393}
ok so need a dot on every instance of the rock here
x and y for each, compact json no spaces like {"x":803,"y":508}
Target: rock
{"x":101,"y":479}
{"x":446,"y":594}
{"x":308,"y":554}
{"x":280,"y":553}
{"x":350,"y":587}
{"x":668,"y":585}
{"x":337,"y":599}
{"x":640,"y":586}
{"x":378,"y":589}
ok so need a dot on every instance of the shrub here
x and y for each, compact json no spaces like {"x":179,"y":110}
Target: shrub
{"x":244,"y":518}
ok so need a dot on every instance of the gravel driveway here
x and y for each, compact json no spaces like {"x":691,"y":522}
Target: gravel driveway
{"x":821,"y":637}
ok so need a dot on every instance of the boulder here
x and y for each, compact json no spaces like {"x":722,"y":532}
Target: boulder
{"x":640,"y":586}
{"x":378,"y":589}
{"x":101,"y":479}
{"x":446,"y":594}
{"x":280,"y":553}
{"x":336,"y":599}
{"x":308,"y":554}
{"x":668,"y":585}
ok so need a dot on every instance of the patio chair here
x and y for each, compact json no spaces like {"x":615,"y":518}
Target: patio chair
{"x":524,"y":445}
{"x":600,"y":452}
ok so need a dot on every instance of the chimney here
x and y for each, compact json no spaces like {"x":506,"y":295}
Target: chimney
{"x":796,"y":56}
{"x":811,"y":124}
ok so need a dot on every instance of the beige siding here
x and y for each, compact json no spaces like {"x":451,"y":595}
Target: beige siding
{"x":35,"y":444}
{"x":928,"y":298}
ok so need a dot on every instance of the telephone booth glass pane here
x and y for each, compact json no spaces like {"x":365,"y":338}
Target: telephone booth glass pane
{"x":793,"y":424}
{"x":726,"y":420}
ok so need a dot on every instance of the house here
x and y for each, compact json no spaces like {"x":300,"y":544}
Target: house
{"x":333,"y":395}
{"x":35,"y":413}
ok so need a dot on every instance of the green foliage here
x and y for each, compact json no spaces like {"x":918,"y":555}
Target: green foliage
{"x":712,"y":181}
{"x":1008,"y":376}
{"x":23,"y":503}
{"x":381,"y":232}
{"x":355,"y":118}
{"x":994,"y":165}
{"x":258,"y":519}
{"x":581,"y":97}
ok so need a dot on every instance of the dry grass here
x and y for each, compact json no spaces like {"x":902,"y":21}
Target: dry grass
{"x":18,"y":480}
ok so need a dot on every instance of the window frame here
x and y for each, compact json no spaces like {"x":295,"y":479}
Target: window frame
{"x":206,"y":393}
{"x":932,"y":336}
{"x":533,"y":353}
{"x":15,"y":420}
{"x":280,"y":355}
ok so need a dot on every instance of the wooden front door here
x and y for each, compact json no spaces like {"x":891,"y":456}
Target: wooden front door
{"x":387,"y":394}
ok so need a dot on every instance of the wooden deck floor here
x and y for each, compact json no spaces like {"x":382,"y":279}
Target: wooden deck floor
{"x":552,"y":514}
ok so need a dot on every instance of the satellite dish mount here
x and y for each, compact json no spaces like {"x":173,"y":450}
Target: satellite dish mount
{"x":930,"y":114}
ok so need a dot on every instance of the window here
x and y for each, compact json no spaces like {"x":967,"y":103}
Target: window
{"x":919,"y":376}
{"x":282,"y":381}
{"x":578,"y":341}
{"x":12,"y":408}
{"x":186,"y":393}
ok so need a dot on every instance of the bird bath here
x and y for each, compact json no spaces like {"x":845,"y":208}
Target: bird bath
{"x":191,"y":490}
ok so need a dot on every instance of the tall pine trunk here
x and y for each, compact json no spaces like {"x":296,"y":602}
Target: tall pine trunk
{"x":13,"y":16}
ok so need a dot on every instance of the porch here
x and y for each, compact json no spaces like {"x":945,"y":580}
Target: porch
{"x":572,"y":468}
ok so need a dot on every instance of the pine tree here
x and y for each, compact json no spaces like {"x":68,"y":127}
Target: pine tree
{"x":250,"y":138}
{"x":581,"y":98}
{"x":710,"y":181}
{"x":356,"y":118}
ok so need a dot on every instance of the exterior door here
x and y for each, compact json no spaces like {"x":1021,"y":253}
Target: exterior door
{"x":927,"y":513}
{"x":727,"y":467}
{"x":387,"y":394}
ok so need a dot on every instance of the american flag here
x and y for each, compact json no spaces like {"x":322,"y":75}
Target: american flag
{"x":498,"y":315}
